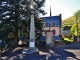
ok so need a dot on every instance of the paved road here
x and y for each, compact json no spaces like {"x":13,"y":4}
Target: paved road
{"x":68,"y":52}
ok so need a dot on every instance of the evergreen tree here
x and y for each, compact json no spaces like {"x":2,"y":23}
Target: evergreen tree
{"x":17,"y":13}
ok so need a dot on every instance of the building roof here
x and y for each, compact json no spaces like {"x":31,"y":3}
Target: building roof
{"x":56,"y":20}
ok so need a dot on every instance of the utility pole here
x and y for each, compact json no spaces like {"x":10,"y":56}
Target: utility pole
{"x":50,"y":18}
{"x":77,"y":28}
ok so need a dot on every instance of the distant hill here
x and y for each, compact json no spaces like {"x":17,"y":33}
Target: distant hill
{"x":69,"y":21}
{"x":72,"y":20}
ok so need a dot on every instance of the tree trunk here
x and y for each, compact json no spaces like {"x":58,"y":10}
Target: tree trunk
{"x":16,"y":36}
{"x":16,"y":22}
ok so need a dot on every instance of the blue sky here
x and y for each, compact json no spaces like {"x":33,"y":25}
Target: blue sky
{"x":64,"y":7}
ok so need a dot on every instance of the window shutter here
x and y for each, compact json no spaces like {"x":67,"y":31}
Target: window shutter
{"x":53,"y":24}
{"x":54,"y":32}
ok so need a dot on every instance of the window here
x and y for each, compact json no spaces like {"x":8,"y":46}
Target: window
{"x":53,"y":24}
{"x":54,"y":32}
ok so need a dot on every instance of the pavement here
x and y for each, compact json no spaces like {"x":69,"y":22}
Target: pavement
{"x":0,"y":52}
{"x":0,"y":55}
{"x":67,"y":52}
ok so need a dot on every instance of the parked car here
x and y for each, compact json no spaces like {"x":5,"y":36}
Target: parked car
{"x":30,"y":51}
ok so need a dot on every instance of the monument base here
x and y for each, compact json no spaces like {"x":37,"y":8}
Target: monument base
{"x":31,"y":43}
{"x":32,"y":49}
{"x":32,"y":46}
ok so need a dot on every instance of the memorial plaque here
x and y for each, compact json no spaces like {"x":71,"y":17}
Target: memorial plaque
{"x":32,"y":44}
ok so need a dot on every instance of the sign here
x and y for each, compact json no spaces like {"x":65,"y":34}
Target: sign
{"x":32,"y":44}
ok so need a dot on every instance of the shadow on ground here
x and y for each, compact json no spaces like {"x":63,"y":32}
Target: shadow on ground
{"x":45,"y":53}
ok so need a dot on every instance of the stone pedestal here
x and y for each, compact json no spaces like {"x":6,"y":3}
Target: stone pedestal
{"x":49,"y":38}
{"x":31,"y":43}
